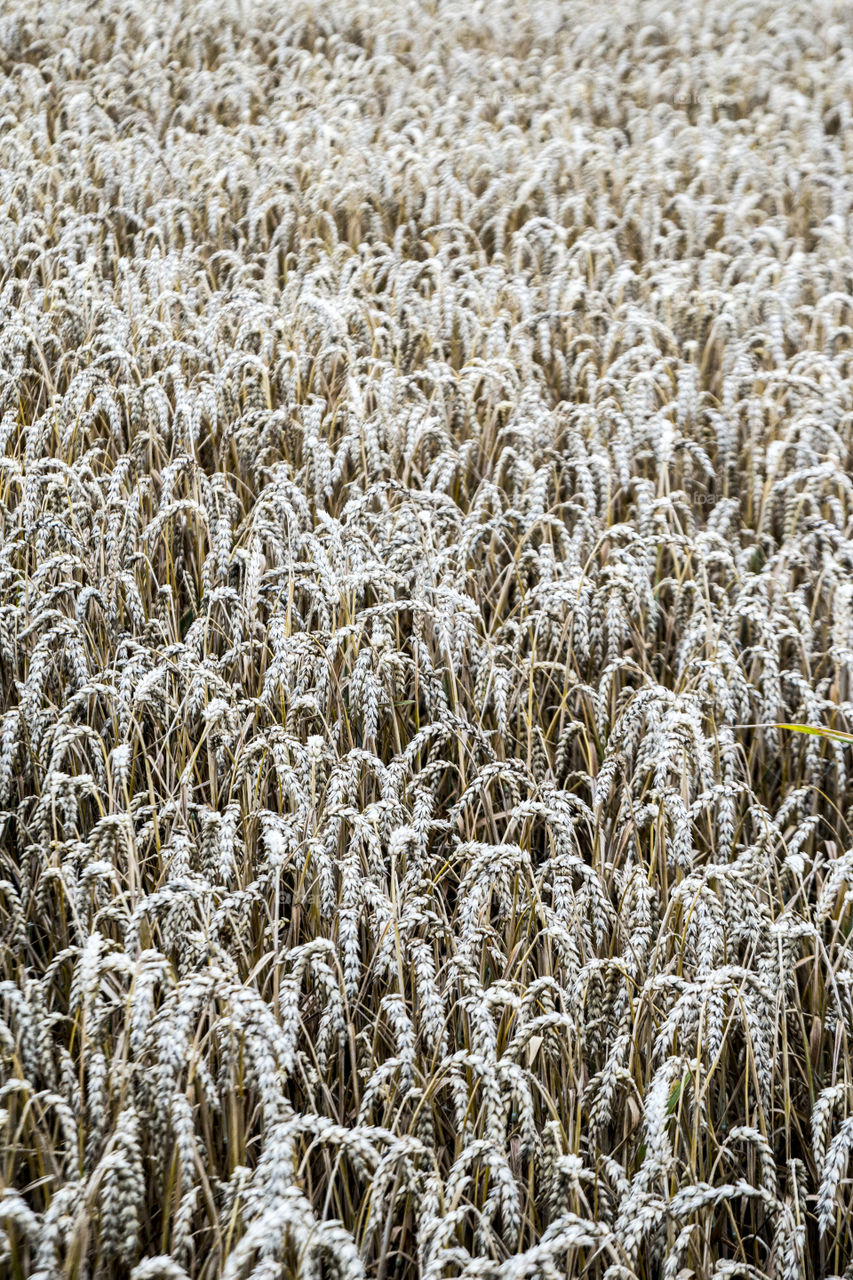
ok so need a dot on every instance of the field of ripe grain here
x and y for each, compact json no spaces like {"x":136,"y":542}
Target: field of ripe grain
{"x":426,"y":487}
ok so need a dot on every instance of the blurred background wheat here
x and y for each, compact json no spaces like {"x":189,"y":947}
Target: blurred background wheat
{"x":425,"y":489}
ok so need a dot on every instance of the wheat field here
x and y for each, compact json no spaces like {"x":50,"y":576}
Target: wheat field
{"x":426,"y":488}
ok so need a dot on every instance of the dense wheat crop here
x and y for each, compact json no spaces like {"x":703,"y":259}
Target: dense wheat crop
{"x":426,"y":480}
